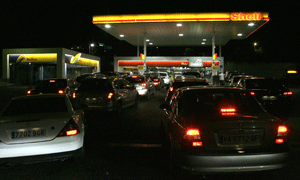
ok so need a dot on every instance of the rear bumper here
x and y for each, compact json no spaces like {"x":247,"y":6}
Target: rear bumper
{"x":232,"y":163}
{"x":42,"y":158}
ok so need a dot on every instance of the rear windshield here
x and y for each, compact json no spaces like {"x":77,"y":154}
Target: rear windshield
{"x":136,"y":80}
{"x":192,"y":73}
{"x":52,"y":84}
{"x":208,"y":102}
{"x":182,"y":84}
{"x":95,"y":85}
{"x":36,"y":105}
{"x":263,"y":84}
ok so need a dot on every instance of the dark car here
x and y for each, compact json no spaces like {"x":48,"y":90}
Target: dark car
{"x":54,"y":85}
{"x":211,"y":129}
{"x":291,"y":79}
{"x":181,"y":82}
{"x":270,"y":92}
{"x":106,"y":94}
{"x":144,"y":86}
{"x":191,"y":73}
{"x":85,"y":76}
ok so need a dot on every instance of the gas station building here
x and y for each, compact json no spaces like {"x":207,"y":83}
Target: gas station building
{"x":28,"y":66}
{"x":182,"y":29}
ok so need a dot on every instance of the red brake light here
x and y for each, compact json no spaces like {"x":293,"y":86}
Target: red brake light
{"x":281,"y":134}
{"x":155,"y":79}
{"x":70,"y":129}
{"x":228,"y":110}
{"x":193,"y":137}
{"x":52,"y":80}
{"x":289,"y":93}
{"x":74,"y":95}
{"x":28,"y":92}
{"x":192,"y":132}
{"x":60,"y":91}
{"x":171,"y":89}
{"x":144,"y":84}
{"x":110,"y":96}
{"x":252,"y":93}
{"x":134,"y":76}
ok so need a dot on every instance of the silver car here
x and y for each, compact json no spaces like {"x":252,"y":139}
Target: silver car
{"x":222,"y":129}
{"x":144,"y":86}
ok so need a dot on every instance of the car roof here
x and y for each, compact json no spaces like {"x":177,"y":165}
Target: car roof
{"x":216,"y":87}
{"x":190,"y":80}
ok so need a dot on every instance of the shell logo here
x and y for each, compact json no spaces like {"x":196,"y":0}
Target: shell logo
{"x":21,"y":58}
{"x":76,"y":58}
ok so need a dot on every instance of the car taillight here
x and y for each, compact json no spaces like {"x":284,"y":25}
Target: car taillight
{"x":193,"y":136}
{"x":144,"y":84}
{"x":289,"y":93}
{"x":74,"y":95}
{"x":282,"y":133}
{"x":252,"y":93}
{"x":171,"y":89}
{"x":155,"y":79}
{"x":60,"y":91}
{"x":28,"y":92}
{"x":70,"y":129}
{"x":228,"y":110}
{"x":110,"y":96}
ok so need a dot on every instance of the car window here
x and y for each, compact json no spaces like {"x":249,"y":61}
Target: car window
{"x":208,"y":103}
{"x":182,"y":84}
{"x":52,"y":84}
{"x":94,"y":85}
{"x":119,"y":84}
{"x":263,"y":84}
{"x":192,"y":74}
{"x":36,"y":105}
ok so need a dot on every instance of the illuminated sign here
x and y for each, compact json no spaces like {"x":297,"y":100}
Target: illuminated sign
{"x":155,"y":63}
{"x":76,"y":58}
{"x":246,"y":16}
{"x":29,"y":58}
{"x":181,"y":17}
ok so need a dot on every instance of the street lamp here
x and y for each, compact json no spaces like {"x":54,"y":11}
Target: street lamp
{"x":91,"y":45}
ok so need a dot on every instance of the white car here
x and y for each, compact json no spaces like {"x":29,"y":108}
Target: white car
{"x":42,"y":127}
{"x":165,"y":77}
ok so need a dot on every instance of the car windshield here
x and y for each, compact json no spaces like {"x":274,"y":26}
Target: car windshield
{"x":95,"y":85}
{"x":163,"y":74}
{"x":135,"y":80}
{"x":208,"y":102}
{"x":36,"y":105}
{"x":52,"y":84}
{"x":263,"y":84}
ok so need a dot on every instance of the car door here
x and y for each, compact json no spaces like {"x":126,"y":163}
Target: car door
{"x":123,"y":91}
{"x":132,"y":92}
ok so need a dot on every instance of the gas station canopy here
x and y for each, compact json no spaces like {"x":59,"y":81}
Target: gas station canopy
{"x":183,"y":29}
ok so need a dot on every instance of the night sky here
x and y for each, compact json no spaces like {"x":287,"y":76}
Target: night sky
{"x":46,"y":24}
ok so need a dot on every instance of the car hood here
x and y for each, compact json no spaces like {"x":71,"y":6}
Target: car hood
{"x":50,"y":123}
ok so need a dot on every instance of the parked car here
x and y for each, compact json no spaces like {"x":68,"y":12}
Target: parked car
{"x":109,"y":94}
{"x":213,"y":129}
{"x":156,"y":79}
{"x":54,"y":85}
{"x":166,"y":78}
{"x":41,"y":127}
{"x":291,"y":79}
{"x":270,"y":92}
{"x":144,"y":86}
{"x":182,"y":82}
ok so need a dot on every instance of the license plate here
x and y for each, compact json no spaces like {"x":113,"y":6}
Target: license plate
{"x":238,"y":139}
{"x":28,"y":134}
